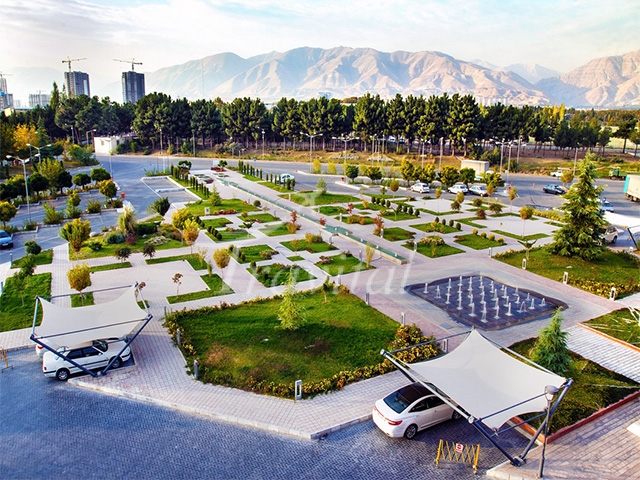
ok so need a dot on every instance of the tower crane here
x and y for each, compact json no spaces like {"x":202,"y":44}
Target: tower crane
{"x":132,"y":62}
{"x":69,"y":60}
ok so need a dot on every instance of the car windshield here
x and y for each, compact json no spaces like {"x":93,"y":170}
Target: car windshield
{"x":4,"y":234}
{"x":399,"y":400}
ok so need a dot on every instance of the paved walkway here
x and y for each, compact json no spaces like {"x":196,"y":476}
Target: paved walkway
{"x":159,"y":373}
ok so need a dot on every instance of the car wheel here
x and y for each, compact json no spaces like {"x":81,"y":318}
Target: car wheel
{"x":410,"y":432}
{"x":456,"y":415}
{"x":116,"y":363}
{"x":615,"y":239}
{"x":62,"y":374}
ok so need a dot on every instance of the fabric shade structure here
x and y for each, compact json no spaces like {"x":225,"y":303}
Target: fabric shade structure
{"x":487,"y":385}
{"x":64,"y":326}
{"x":629,"y":222}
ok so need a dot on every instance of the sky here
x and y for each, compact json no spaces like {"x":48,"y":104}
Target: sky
{"x":557,"y":34}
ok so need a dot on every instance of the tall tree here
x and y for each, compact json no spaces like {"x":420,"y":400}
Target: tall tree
{"x":584,"y":224}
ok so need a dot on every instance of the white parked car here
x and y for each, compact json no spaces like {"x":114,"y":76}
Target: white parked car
{"x":478,"y":190}
{"x":286,"y":176}
{"x":410,"y":409}
{"x":420,"y":187}
{"x":91,"y":355}
{"x":458,"y":187}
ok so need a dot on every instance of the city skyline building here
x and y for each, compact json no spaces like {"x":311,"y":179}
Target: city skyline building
{"x":39,"y":99}
{"x":132,"y":86}
{"x":77,"y":83}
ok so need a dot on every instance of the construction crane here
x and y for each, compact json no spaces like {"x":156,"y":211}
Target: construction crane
{"x":132,"y":62}
{"x":69,"y":60}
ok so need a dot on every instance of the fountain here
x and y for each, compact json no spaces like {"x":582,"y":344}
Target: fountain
{"x":519,"y":305}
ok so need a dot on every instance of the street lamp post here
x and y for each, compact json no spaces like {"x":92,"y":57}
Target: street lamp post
{"x":311,"y":137}
{"x":549,"y":392}
{"x":37,"y":148}
{"x":26,"y":183}
{"x":441,"y":145}
{"x":263,"y":144}
{"x":87,"y":135}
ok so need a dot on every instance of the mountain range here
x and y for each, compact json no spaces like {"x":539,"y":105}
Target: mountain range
{"x":303,"y":73}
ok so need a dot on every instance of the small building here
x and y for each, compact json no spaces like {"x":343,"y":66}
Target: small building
{"x":479,"y":166}
{"x":106,"y":145}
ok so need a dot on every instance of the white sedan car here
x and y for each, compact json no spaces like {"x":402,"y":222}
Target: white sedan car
{"x":410,"y":409}
{"x":420,"y":187}
{"x":458,"y":187}
{"x":91,"y":355}
{"x":478,"y":190}
{"x":286,"y":176}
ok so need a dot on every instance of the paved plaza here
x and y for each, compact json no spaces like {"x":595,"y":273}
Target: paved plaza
{"x":159,"y":375}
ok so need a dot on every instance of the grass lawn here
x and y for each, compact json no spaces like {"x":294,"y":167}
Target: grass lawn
{"x":301,"y":244}
{"x":17,"y":302}
{"x":619,"y":270}
{"x":108,"y":250}
{"x":216,"y":222}
{"x":331,"y":210}
{"x":277,"y":274}
{"x":261,"y":217}
{"x":110,"y":266}
{"x":477,"y":242}
{"x":253,"y":253}
{"x":276,"y":187}
{"x":394,"y":234}
{"x":231,"y":235}
{"x":295,"y":258}
{"x":594,"y":388}
{"x":619,"y":324}
{"x":434,"y":227}
{"x":192,"y":258}
{"x":371,"y":206}
{"x":243,"y":347}
{"x":534,"y":236}
{"x":197,"y":208}
{"x":312,"y":198}
{"x":396,"y":217}
{"x":216,"y":288}
{"x":471,"y":222}
{"x":437,"y":213}
{"x":275,"y":230}
{"x":45,"y":257}
{"x":342,"y":264}
{"x":435,"y":251}
{"x":77,"y":300}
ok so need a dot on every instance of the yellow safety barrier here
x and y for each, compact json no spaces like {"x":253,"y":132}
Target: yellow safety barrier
{"x":459,"y":452}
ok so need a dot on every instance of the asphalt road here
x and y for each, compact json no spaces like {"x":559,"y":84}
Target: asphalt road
{"x":51,"y":429}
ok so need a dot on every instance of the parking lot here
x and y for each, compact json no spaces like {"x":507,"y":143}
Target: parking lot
{"x":52,"y":429}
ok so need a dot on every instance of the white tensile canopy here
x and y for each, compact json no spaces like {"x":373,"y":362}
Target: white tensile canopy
{"x":630,"y":222}
{"x":487,"y":383}
{"x":64,"y":326}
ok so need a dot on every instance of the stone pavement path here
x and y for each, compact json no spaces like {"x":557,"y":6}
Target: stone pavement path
{"x":606,"y":352}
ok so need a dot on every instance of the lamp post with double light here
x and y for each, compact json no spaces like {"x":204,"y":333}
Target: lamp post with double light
{"x":311,"y":137}
{"x":550,"y":391}
{"x":26,"y":183}
{"x":263,"y":144}
{"x":38,"y":148}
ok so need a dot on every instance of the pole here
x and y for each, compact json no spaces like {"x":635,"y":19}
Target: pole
{"x":263,"y":144}
{"x":441,"y":142}
{"x":550,"y":392}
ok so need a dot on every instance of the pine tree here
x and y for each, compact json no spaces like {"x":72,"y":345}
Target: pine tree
{"x":551,"y":351}
{"x":584,"y":224}
{"x":290,"y":313}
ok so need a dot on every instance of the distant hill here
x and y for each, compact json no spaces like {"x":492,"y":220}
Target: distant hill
{"x":303,"y":73}
{"x":340,"y":72}
{"x":532,"y":72}
{"x":603,"y":82}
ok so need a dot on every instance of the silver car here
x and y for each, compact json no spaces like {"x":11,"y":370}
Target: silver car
{"x":6,"y":240}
